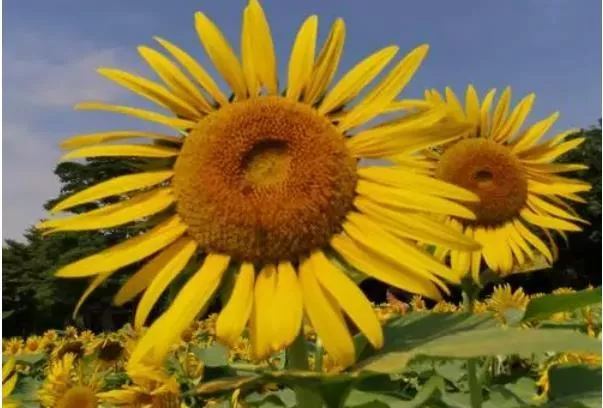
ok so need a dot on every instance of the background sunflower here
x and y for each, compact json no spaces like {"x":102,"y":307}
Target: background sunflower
{"x":513,"y":171}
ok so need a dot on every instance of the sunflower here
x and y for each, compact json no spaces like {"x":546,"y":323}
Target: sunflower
{"x":514,"y":174}
{"x":12,"y":346}
{"x":504,"y":298}
{"x":69,"y":383}
{"x":34,"y":344}
{"x":9,"y":380}
{"x":150,"y":387}
{"x":265,"y":187}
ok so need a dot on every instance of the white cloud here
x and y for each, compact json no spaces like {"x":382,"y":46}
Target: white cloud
{"x":44,"y":75}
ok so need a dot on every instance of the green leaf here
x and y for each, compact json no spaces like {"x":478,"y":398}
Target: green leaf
{"x":30,"y":359}
{"x":279,"y":398}
{"x":7,"y":313}
{"x":576,"y":384}
{"x":26,"y":391}
{"x":432,"y":389}
{"x":467,"y":337}
{"x":544,"y":306}
{"x":518,"y":394}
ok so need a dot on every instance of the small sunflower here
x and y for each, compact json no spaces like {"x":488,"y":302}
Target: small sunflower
{"x":514,"y":173}
{"x":9,"y":380}
{"x":267,"y":184}
{"x":12,"y":346}
{"x":34,"y":344}
{"x":444,"y":307}
{"x":150,"y":387}
{"x":69,"y":383}
{"x":503,"y":298}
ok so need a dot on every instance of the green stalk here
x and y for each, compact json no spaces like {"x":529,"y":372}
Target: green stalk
{"x":475,"y":389}
{"x":297,"y":359}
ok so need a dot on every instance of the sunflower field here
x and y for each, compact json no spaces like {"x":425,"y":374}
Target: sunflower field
{"x":254,"y":235}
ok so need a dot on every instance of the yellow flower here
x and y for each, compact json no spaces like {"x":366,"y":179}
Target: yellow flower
{"x":33,"y":345}
{"x":504,"y":298}
{"x":9,"y":380}
{"x":444,"y":307}
{"x":266,"y":184}
{"x":479,"y":307}
{"x":70,"y":332}
{"x":417,"y":304}
{"x":513,"y":172}
{"x":50,"y":335}
{"x":68,"y":346}
{"x":591,"y":359}
{"x":150,"y":388}
{"x":12,"y":346}
{"x":70,"y":384}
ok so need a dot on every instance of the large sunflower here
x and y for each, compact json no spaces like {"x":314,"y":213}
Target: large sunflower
{"x":514,"y":174}
{"x":267,"y":185}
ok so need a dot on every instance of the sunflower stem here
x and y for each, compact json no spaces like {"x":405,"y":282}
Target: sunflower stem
{"x":470,"y":291}
{"x":318,"y":356}
{"x":297,"y":359}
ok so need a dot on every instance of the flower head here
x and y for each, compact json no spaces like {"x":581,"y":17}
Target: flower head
{"x":524,"y":194}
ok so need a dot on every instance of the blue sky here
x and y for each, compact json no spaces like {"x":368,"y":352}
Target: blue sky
{"x":52,"y":48}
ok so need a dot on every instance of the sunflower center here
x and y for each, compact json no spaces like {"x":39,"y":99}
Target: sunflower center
{"x":492,"y":172}
{"x":79,"y":396}
{"x":263,"y":180}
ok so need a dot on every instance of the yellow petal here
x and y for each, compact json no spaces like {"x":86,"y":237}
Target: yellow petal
{"x":263,"y":48}
{"x":8,"y":368}
{"x":370,"y":235}
{"x":516,"y":237}
{"x":489,"y":244}
{"x":169,"y":263}
{"x":263,"y":312}
{"x":415,"y":226}
{"x":349,"y":297}
{"x":127,"y":252}
{"x":176,"y":123}
{"x":301,"y":60}
{"x":472,"y":105}
{"x":383,"y":270}
{"x":95,"y":283}
{"x":533,"y":240}
{"x":327,"y":322}
{"x":327,"y":63}
{"x":192,"y":298}
{"x":501,"y":111}
{"x":534,"y":133}
{"x":552,"y":154}
{"x":233,"y":318}
{"x":101,"y":137}
{"x":404,"y":179}
{"x":175,"y":80}
{"x":556,"y":167}
{"x":196,"y":70}
{"x":152,"y":91}
{"x":485,"y":112}
{"x":408,"y":104}
{"x":287,"y":296}
{"x":567,"y":187}
{"x":114,"y":186}
{"x":221,"y":54}
{"x":121,"y":151}
{"x":139,"y":281}
{"x":515,"y":248}
{"x":354,"y":81}
{"x":454,"y":104}
{"x":516,"y":119}
{"x":8,"y":387}
{"x":411,"y":200}
{"x":394,"y":139}
{"x":140,"y":206}
{"x":248,"y":58}
{"x":546,"y":221}
{"x":386,"y":91}
{"x":542,"y":205}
